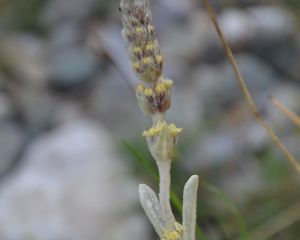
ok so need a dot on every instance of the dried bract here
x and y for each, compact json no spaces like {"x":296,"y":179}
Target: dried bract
{"x":154,"y":100}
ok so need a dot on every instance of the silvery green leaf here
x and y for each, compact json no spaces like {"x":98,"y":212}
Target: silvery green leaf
{"x":152,"y":208}
{"x":190,"y":207}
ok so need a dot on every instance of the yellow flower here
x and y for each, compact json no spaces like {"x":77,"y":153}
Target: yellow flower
{"x":171,"y":235}
{"x":162,"y":139}
{"x":154,"y":100}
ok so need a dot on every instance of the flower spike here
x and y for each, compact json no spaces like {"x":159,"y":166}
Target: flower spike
{"x":154,"y":99}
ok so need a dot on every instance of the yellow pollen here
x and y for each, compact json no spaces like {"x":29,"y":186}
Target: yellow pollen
{"x":148,"y":92}
{"x":171,"y":235}
{"x":139,"y":30}
{"x":128,"y":35}
{"x":149,"y":47}
{"x":151,"y":29}
{"x":137,"y":51}
{"x":140,"y":88}
{"x":178,"y":227}
{"x":163,"y":86}
{"x":160,"y":88}
{"x":168,"y":83}
{"x":136,"y":66}
{"x":134,"y":21}
{"x":173,"y":130}
{"x":159,"y":59}
{"x":155,"y":130}
{"x":147,"y":60}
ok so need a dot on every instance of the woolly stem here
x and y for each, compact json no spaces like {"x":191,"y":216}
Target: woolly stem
{"x":164,"y":190}
{"x":157,"y":117}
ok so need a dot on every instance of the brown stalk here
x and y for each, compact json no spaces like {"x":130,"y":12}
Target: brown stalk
{"x":246,"y":92}
{"x":291,"y":115}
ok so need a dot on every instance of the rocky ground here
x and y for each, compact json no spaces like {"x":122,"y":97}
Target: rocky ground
{"x":67,"y":102}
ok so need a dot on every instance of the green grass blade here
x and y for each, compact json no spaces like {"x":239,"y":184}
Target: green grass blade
{"x":232,"y":208}
{"x":137,"y":155}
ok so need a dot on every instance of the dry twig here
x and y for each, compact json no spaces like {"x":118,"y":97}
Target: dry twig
{"x":247,"y":94}
{"x":291,"y":115}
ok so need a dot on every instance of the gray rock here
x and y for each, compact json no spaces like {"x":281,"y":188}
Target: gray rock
{"x":5,"y":106}
{"x":178,"y":7}
{"x":217,"y":85}
{"x":272,"y":22}
{"x":108,"y":39}
{"x":26,"y":55}
{"x":36,"y":106}
{"x":65,"y":35}
{"x":244,"y":181}
{"x":257,"y":25}
{"x":71,"y":67}
{"x":186,"y":109}
{"x":72,"y":186}
{"x":228,"y":144}
{"x":188,"y":40}
{"x":114,"y":104}
{"x":285,"y":58}
{"x":237,"y":26}
{"x":215,"y":149}
{"x":57,"y":11}
{"x":11,"y":140}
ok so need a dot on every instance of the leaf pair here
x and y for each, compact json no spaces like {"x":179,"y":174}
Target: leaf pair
{"x":153,"y":210}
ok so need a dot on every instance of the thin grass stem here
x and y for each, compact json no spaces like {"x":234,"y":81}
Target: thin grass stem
{"x":247,"y":94}
{"x":291,"y":115}
{"x":278,"y":223}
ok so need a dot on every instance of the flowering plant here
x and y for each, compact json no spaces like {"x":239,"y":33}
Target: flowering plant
{"x":154,"y":99}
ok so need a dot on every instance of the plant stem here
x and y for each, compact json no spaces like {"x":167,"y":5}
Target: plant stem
{"x":157,"y":117}
{"x":293,"y":116}
{"x":164,"y":190}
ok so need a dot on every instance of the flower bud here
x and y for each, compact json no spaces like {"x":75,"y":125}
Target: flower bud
{"x":162,"y":139}
{"x":157,"y":100}
{"x":163,"y":95}
{"x":146,"y":99}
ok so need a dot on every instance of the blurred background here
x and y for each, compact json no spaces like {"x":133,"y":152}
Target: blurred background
{"x":71,"y":150}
